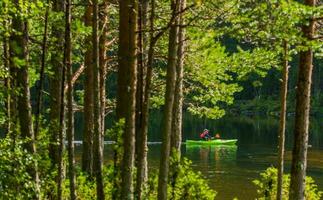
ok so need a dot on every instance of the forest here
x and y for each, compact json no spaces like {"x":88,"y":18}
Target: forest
{"x":161,"y":99}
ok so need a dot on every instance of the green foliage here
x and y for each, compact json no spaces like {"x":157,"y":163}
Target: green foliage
{"x":116,"y":133}
{"x":190,"y":184}
{"x":209,"y":79}
{"x":114,"y":170}
{"x":86,"y":188}
{"x":267,"y":186}
{"x":15,"y":164}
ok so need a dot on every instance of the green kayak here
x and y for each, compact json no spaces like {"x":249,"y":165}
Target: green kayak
{"x":211,"y":142}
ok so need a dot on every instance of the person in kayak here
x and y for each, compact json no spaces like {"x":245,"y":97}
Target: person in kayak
{"x":205,"y":135}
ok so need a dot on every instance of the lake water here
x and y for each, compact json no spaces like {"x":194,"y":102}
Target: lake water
{"x":230,"y":170}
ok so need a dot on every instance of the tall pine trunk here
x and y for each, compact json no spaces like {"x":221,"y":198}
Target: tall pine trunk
{"x":55,"y":83}
{"x":169,"y":102}
{"x":127,"y":76}
{"x":97,"y":147}
{"x":141,"y":138}
{"x":282,"y":123}
{"x":87,"y":153}
{"x":19,"y":51}
{"x":103,"y":25}
{"x":70,"y":113}
{"x":176,"y":137}
{"x":303,"y":94}
{"x":41,"y":74}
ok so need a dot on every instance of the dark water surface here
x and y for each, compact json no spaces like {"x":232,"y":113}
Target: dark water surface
{"x":230,"y":170}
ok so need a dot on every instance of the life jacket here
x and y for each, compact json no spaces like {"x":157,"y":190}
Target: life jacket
{"x":202,"y":135}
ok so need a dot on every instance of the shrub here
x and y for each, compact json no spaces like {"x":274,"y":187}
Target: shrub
{"x":15,"y":164}
{"x":190,"y":184}
{"x":267,"y":186}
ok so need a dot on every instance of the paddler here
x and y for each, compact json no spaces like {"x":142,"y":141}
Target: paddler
{"x":205,"y":135}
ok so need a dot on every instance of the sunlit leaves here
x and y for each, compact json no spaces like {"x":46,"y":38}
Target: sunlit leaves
{"x":267,"y":186}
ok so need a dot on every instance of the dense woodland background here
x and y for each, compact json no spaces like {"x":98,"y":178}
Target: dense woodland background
{"x":121,"y":60}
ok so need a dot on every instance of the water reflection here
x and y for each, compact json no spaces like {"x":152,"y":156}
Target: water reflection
{"x":212,"y":152}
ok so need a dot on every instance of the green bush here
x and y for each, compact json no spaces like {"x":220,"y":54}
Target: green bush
{"x":15,"y":164}
{"x":267,"y":186}
{"x":190,"y":184}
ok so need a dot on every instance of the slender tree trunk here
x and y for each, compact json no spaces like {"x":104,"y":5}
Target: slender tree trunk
{"x":56,"y":84}
{"x":70,"y":113}
{"x":127,"y":85}
{"x":87,"y":153}
{"x":97,"y":147}
{"x":6,"y":62}
{"x":169,"y":102}
{"x":10,"y":82}
{"x":303,"y":94}
{"x":176,"y":135}
{"x":103,"y":25}
{"x":19,"y":50}
{"x":282,"y":124}
{"x":41,"y":74}
{"x":141,"y":140}
{"x":13,"y":108}
{"x":176,"y":138}
{"x":60,"y":149}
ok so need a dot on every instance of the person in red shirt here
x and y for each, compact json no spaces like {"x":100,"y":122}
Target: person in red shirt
{"x":205,"y":135}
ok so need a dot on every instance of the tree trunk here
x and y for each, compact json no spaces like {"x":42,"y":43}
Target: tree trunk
{"x":282,"y":124}
{"x":56,"y":84}
{"x":12,"y":104}
{"x":18,"y":50}
{"x":303,"y":94}
{"x":70,"y":113}
{"x":127,"y":85}
{"x":6,"y":63}
{"x":176,"y":134}
{"x":87,"y":153}
{"x":169,"y":102}
{"x":176,"y":138}
{"x":41,"y":74}
{"x":141,"y":140}
{"x":103,"y":25}
{"x":97,"y":147}
{"x":60,"y":149}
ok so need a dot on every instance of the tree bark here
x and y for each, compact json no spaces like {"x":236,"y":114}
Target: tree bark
{"x":127,"y":85}
{"x":42,"y":73}
{"x":176,"y":138}
{"x":103,"y":21}
{"x":303,"y":94}
{"x":70,"y":113}
{"x":87,"y":153}
{"x":176,"y":134}
{"x":282,"y":124}
{"x":169,"y":102}
{"x":19,"y":50}
{"x":141,"y":140}
{"x":61,"y":119}
{"x":56,"y":84}
{"x":97,"y":147}
{"x":8,"y":84}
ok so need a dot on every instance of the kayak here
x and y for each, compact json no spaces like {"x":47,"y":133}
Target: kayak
{"x":211,"y":142}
